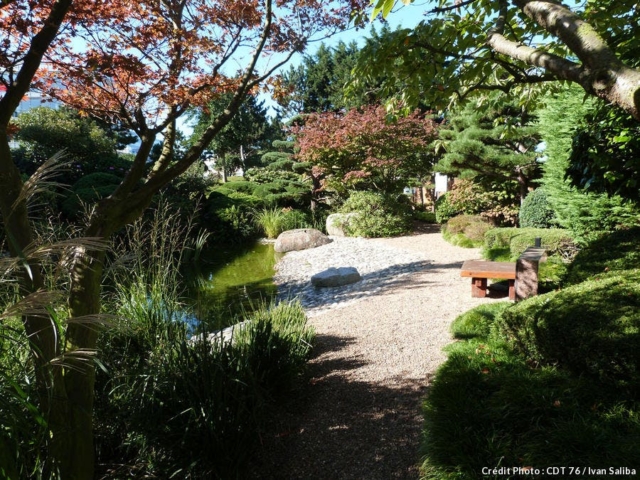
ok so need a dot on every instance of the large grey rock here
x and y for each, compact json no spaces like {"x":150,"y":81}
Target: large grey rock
{"x":336,"y":277}
{"x":337,"y":222}
{"x":300,"y":239}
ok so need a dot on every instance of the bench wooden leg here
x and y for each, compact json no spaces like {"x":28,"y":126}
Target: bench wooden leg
{"x":479,"y":287}
{"x":512,"y":289}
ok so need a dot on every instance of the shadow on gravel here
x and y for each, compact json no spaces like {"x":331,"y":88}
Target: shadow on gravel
{"x":340,"y":429}
{"x":374,"y":283}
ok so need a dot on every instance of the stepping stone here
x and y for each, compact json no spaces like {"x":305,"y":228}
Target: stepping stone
{"x":336,"y":277}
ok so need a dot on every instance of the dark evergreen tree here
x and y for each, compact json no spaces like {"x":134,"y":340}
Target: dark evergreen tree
{"x":491,"y":144}
{"x":582,"y":212}
{"x":240,"y":143}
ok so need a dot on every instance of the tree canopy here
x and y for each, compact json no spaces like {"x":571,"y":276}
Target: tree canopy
{"x":362,"y":148}
{"x":468,"y":45}
{"x":493,"y":144}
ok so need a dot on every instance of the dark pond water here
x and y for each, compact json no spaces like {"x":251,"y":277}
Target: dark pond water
{"x":229,"y":281}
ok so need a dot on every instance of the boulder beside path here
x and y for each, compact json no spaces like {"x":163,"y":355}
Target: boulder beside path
{"x":300,"y":239}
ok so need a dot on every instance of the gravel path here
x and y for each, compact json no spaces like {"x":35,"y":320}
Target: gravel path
{"x":379,"y":342}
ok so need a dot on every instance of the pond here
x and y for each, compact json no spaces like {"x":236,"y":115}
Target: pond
{"x":229,"y":281}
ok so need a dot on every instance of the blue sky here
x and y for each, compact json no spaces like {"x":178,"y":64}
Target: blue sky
{"x":406,"y":17}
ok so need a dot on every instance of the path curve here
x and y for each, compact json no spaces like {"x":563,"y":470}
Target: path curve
{"x":377,"y":350}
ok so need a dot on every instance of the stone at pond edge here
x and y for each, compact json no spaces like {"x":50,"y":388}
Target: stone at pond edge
{"x":337,"y":222}
{"x":300,"y":239}
{"x":336,"y":277}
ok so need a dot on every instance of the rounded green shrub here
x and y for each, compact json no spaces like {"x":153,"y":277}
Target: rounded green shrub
{"x":556,"y":241}
{"x":242,"y":187}
{"x":285,"y":165}
{"x":614,"y":252}
{"x":536,"y":211}
{"x":381,"y":215}
{"x":592,"y":328}
{"x":96,"y":180}
{"x":444,"y":209}
{"x":466,"y":230}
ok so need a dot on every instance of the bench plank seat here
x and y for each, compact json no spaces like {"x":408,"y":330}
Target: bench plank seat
{"x":522,"y":275}
{"x":481,"y":270}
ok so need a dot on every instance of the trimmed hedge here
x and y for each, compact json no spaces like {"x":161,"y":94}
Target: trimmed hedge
{"x":466,"y":230}
{"x":517,"y":240}
{"x":614,"y":252}
{"x":592,"y":328}
{"x":381,"y":215}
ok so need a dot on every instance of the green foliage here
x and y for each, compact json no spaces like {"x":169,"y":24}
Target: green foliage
{"x":428,"y":217}
{"x":465,"y":230}
{"x":585,"y":214}
{"x":535,"y":211}
{"x":250,"y":131}
{"x":284,"y":165}
{"x":43,"y":132}
{"x":495,"y":204}
{"x":522,"y":414}
{"x":590,"y":328}
{"x":379,"y":215}
{"x":271,"y":222}
{"x":318,"y":83}
{"x":228,"y":215}
{"x":605,"y":154}
{"x":272,"y":157}
{"x":555,"y":241}
{"x":226,"y":389}
{"x":227,"y":392}
{"x":444,"y":209}
{"x":492,"y":145}
{"x":87,"y":191}
{"x":264,"y":175}
{"x":615,"y":252}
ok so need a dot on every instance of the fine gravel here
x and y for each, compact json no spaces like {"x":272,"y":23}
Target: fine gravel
{"x":379,"y":343}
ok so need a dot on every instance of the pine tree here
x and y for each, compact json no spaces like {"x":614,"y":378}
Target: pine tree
{"x":491,"y":145}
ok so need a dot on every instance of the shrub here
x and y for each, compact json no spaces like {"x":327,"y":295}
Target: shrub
{"x":428,"y":217}
{"x":614,"y":252}
{"x":284,"y":165}
{"x":556,"y":241}
{"x":535,"y":211}
{"x":381,"y":215}
{"x":444,"y":210}
{"x":228,"y":215}
{"x":96,"y":180}
{"x":245,"y":187}
{"x":227,"y":391}
{"x":590,"y":328}
{"x":466,"y":230}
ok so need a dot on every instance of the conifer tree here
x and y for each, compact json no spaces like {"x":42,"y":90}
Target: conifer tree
{"x":491,"y":144}
{"x":579,"y":211}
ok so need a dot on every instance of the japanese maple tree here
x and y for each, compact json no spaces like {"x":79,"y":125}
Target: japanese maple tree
{"x":141,"y":64}
{"x":364,"y":149}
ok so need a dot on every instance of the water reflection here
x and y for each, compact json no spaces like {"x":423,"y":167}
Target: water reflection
{"x":229,"y":281}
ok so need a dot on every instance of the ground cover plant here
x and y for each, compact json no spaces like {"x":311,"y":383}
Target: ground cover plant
{"x":554,"y":380}
{"x":489,"y":406}
{"x":204,"y":396}
{"x":466,"y":230}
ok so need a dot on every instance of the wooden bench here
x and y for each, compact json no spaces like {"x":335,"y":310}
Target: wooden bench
{"x":522,"y":274}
